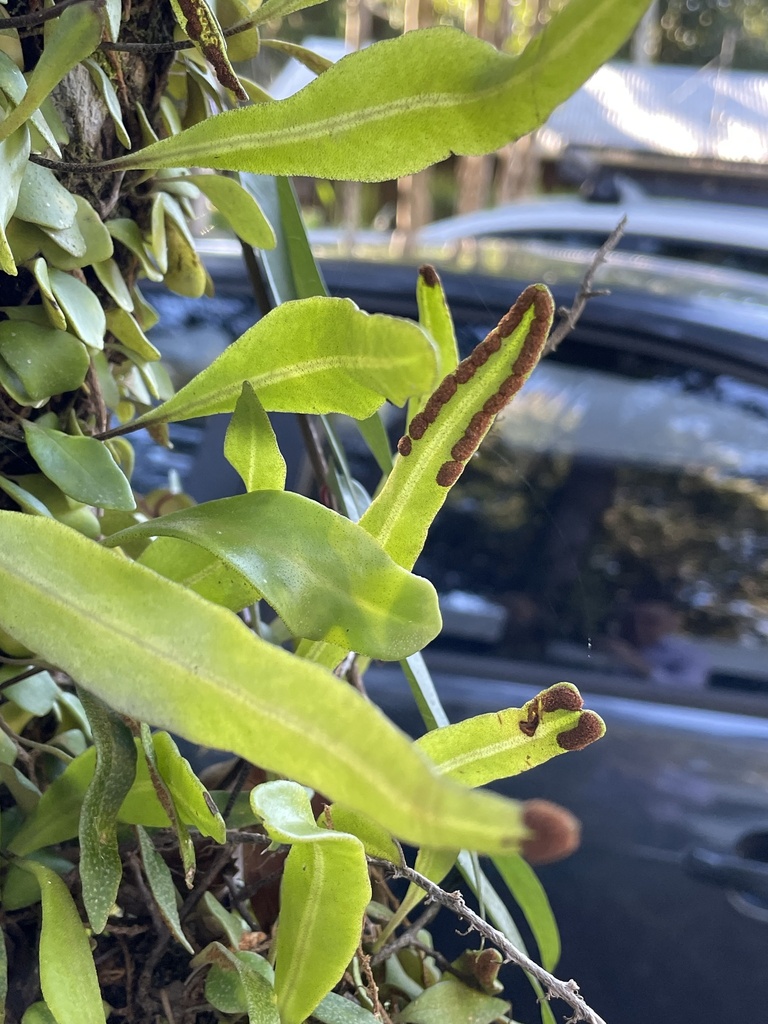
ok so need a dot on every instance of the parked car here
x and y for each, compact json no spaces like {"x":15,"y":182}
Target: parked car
{"x":717,"y":233}
{"x":613,"y":531}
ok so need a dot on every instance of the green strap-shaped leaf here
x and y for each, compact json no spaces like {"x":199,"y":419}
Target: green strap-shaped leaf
{"x":202,"y":26}
{"x":73,"y":37}
{"x":81,"y":466}
{"x":190,"y":797}
{"x":198,"y":671}
{"x":126,"y":329}
{"x":254,"y":994}
{"x":323,"y":895}
{"x":398,"y":106}
{"x":67,"y":972}
{"x":529,"y":894}
{"x":128,"y":233}
{"x":54,"y":817}
{"x":485,"y":748}
{"x":161,"y":885}
{"x":166,"y":798}
{"x":101,"y":868}
{"x":14,"y":153}
{"x":316,"y":355}
{"x":324,"y":576}
{"x":315,"y":62}
{"x":447,"y":432}
{"x":276,"y":9}
{"x":250,"y":445}
{"x":435,"y":317}
{"x":238,"y":207}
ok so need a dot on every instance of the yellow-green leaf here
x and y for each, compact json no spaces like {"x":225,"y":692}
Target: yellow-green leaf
{"x":198,"y":671}
{"x":250,"y":445}
{"x":167,"y":799}
{"x":324,"y":576}
{"x":323,"y":895}
{"x":400,"y":105}
{"x":315,"y":355}
{"x":190,"y":796}
{"x":435,"y":317}
{"x":111,"y":277}
{"x":238,"y":207}
{"x":109,"y":95}
{"x":448,"y":431}
{"x":315,"y":62}
{"x":484,"y":748}
{"x":67,"y":972}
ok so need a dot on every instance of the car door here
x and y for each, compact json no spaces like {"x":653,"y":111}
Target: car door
{"x":624,"y":483}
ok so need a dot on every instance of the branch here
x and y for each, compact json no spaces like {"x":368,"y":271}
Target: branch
{"x":568,"y":991}
{"x":21,"y":21}
{"x":569,"y":317}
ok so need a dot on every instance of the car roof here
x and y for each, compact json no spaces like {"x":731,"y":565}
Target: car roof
{"x":716,"y":224}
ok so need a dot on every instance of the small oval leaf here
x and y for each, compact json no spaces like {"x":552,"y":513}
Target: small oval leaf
{"x":46,"y":361}
{"x":81,"y":466}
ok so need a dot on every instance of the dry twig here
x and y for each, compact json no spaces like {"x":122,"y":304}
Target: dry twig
{"x":570,"y":317}
{"x":568,"y":991}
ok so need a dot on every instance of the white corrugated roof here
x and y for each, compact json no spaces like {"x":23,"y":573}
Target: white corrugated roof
{"x":707,"y":113}
{"x":686,"y":112}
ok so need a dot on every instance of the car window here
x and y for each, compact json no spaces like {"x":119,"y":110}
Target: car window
{"x":616,"y":522}
{"x":698,"y":251}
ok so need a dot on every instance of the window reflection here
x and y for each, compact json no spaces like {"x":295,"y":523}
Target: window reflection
{"x":615,"y":520}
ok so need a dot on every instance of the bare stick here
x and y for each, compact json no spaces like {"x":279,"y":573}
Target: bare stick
{"x":569,"y":317}
{"x":568,"y":991}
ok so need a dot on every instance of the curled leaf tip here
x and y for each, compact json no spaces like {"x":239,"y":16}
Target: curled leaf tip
{"x":428,"y":274}
{"x":588,"y":729}
{"x":561,"y":697}
{"x":556,"y":832}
